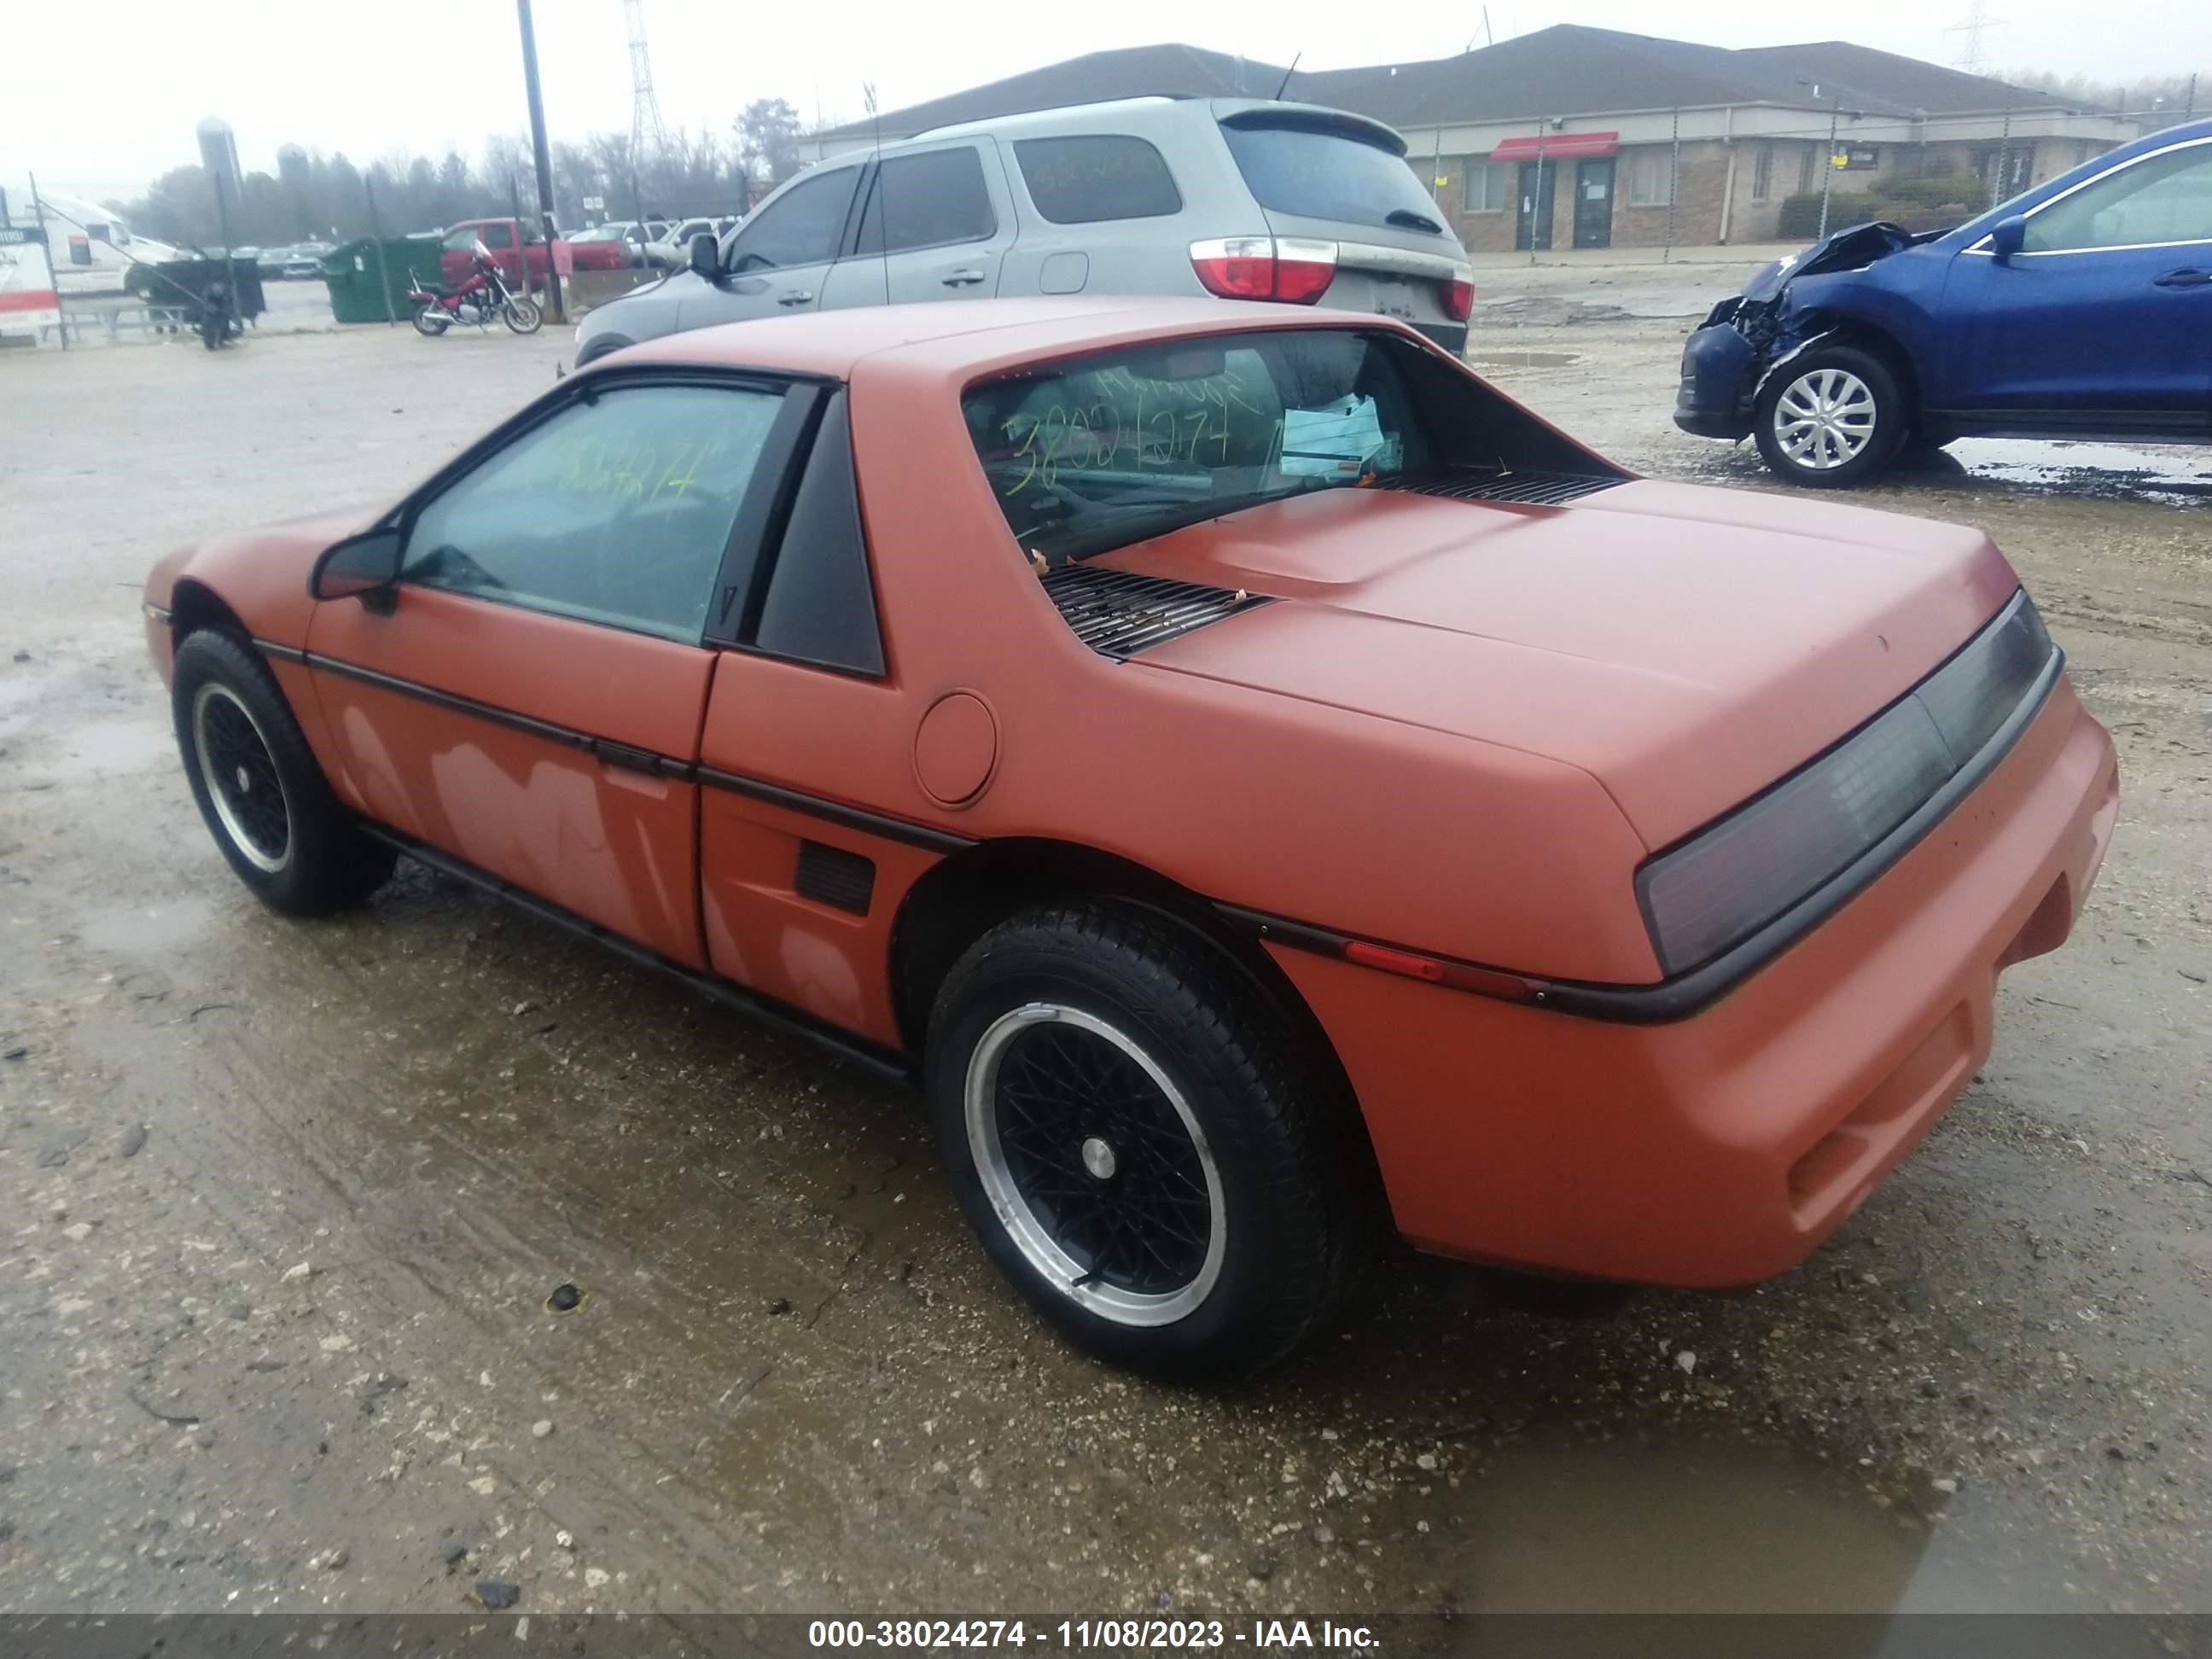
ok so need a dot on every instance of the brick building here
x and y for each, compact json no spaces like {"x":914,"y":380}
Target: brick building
{"x":1583,"y":137}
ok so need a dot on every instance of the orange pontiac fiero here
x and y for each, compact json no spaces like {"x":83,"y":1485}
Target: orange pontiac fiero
{"x":1264,"y":783}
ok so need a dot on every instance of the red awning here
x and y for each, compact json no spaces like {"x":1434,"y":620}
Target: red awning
{"x":1558,"y":146}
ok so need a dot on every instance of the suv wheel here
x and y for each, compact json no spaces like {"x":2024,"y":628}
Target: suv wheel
{"x":1831,"y":418}
{"x":1124,"y":1129}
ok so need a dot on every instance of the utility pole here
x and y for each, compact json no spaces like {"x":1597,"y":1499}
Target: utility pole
{"x":1673,"y":184}
{"x":1997,"y":190}
{"x":542,"y":154}
{"x":1828,"y":162}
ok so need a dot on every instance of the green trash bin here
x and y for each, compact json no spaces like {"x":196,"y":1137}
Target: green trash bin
{"x":368,"y":279}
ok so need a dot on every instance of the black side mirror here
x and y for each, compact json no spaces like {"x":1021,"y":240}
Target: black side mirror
{"x":706,"y":256}
{"x":363,"y":567}
{"x":2008,"y":235}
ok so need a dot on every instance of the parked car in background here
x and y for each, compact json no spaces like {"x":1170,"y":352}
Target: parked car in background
{"x":672,"y":251}
{"x":2082,"y":308}
{"x":299,"y":262}
{"x":1268,"y":787}
{"x":634,"y":235}
{"x":1234,"y":197}
{"x":521,"y":259}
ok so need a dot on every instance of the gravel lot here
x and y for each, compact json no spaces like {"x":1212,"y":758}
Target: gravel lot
{"x":281,"y":1205}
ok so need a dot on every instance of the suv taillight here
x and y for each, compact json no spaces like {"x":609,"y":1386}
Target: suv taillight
{"x":1296,"y":269}
{"x":1459,"y":294}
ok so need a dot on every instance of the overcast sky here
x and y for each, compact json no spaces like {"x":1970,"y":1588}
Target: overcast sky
{"x":101,"y":119}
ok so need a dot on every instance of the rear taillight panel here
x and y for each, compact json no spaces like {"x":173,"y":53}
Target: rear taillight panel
{"x":1459,"y":294}
{"x":1292,"y":270}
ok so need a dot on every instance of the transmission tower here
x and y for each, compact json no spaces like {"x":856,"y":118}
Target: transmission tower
{"x":1978,"y":21}
{"x":644,"y":107}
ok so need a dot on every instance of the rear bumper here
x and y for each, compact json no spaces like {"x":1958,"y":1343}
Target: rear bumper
{"x":1452,"y":336}
{"x":1721,"y":1149}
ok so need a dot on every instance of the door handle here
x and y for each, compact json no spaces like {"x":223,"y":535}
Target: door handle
{"x":2186,"y":276}
{"x":795,"y":296}
{"x":962,"y":278}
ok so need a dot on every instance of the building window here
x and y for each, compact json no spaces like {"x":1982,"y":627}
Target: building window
{"x":1805,"y":168}
{"x":1762,"y":173}
{"x":1650,"y":179}
{"x":1485,"y":187}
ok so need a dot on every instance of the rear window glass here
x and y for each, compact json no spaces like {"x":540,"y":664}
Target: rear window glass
{"x":1330,"y":176}
{"x":1099,"y":452}
{"x":1083,"y":181}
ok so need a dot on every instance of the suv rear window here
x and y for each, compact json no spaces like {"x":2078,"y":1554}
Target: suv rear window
{"x":1329,"y":174}
{"x":1103,"y":451}
{"x":1083,"y":181}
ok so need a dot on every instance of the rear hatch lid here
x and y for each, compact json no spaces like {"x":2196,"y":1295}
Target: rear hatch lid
{"x":1329,"y":175}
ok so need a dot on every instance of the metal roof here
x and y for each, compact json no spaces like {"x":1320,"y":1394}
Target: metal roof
{"x":1564,"y":70}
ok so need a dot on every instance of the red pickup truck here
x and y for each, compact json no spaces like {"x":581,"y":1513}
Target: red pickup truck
{"x":511,"y":246}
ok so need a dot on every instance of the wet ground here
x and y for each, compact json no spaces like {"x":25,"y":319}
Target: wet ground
{"x":281,"y":1205}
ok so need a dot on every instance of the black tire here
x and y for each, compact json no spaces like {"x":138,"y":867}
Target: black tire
{"x":601,"y":347}
{"x":1110,"y":999}
{"x":300,"y":852}
{"x":523,"y":315}
{"x":1831,"y":419}
{"x":429,"y":321}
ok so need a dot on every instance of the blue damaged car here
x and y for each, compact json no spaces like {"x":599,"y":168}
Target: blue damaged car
{"x":2080,"y":308}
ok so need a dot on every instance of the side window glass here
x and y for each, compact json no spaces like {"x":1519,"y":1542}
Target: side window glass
{"x":613,"y":511}
{"x":2166,"y":199}
{"x":799,"y":227}
{"x":821,"y":606}
{"x":927,"y":201}
{"x":1083,"y":181}
{"x":499,"y":236}
{"x":461,"y":240}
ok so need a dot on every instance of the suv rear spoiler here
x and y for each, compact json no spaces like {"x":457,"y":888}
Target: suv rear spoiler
{"x":1308,"y":118}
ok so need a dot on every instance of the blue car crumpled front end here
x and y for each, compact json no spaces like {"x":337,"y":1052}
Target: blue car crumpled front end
{"x":1719,"y":364}
{"x":1727,"y":355}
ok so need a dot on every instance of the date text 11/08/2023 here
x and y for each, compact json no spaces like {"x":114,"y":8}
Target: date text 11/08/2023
{"x":1071,"y":1635}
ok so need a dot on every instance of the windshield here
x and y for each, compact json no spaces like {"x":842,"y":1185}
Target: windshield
{"x":599,"y":233}
{"x":1104,"y":451}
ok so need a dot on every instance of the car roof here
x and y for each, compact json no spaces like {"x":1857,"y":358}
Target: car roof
{"x":983,"y":334}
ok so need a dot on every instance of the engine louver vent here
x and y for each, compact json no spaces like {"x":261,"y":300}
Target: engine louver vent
{"x":1537,"y":488}
{"x":1117,"y":614}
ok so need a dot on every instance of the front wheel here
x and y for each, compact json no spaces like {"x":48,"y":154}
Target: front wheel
{"x":522,"y":315}
{"x":1128,"y":1131}
{"x":1831,"y":418}
{"x":259,"y":786}
{"x":430,"y":320}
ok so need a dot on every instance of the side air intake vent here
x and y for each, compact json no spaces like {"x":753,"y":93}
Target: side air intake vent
{"x":832,"y":876}
{"x":1117,"y":614}
{"x":1538,"y":489}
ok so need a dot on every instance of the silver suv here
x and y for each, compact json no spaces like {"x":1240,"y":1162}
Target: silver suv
{"x":1236,"y":197}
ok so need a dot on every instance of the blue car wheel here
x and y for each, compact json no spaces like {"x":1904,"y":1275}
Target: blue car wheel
{"x":1831,"y":418}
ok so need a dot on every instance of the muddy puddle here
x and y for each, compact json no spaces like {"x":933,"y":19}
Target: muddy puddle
{"x":2168,"y":475}
{"x":1553,"y":1524}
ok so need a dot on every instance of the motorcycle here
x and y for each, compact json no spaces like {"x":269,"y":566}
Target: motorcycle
{"x":484,"y":296}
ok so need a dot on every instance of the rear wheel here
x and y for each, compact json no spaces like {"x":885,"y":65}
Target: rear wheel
{"x":429,"y":320}
{"x":1127,"y":1131}
{"x":1831,"y":418}
{"x":259,"y":786}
